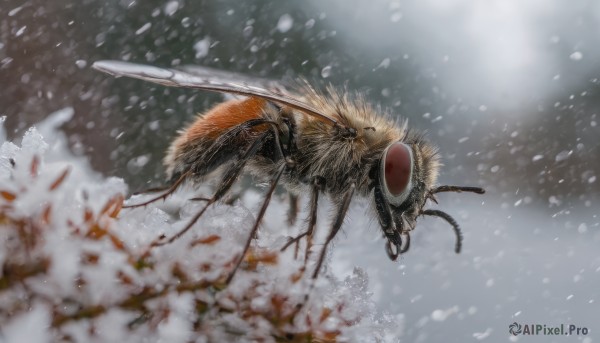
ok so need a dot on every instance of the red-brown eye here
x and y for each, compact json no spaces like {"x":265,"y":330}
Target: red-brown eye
{"x":397,"y":168}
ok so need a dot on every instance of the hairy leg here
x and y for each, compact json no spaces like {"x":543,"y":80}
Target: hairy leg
{"x":261,"y":213}
{"x":312,"y":219}
{"x":337,"y":224}
{"x":230,"y":176}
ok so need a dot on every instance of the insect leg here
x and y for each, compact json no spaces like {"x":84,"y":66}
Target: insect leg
{"x":337,"y":224}
{"x":214,"y":156}
{"x":212,"y":150}
{"x":267,"y":199}
{"x":291,"y":125}
{"x":293,"y":210}
{"x":394,"y":250}
{"x":312,"y":221}
{"x":291,"y":148}
{"x":230,"y":176}
{"x":164,"y":195}
{"x":317,"y":187}
{"x":152,"y":190}
{"x":258,"y":220}
{"x":393,"y":246}
{"x":451,"y":221}
{"x":407,"y":244}
{"x":233,"y":197}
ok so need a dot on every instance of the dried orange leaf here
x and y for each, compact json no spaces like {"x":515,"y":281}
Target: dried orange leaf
{"x":267,"y":257}
{"x":117,"y":242}
{"x":278,"y":301}
{"x":35,"y":165}
{"x":96,"y":232}
{"x":59,"y":180}
{"x":297,"y":276}
{"x":324,"y":314}
{"x":46,"y":214}
{"x":179,"y":273}
{"x":330,"y":336}
{"x":88,"y":215}
{"x":207,"y":240}
{"x":91,"y":258}
{"x":125,"y":278}
{"x":113,"y":206}
{"x":8,"y":195}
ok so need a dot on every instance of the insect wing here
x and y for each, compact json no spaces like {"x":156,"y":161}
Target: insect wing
{"x":203,"y":78}
{"x":236,"y":78}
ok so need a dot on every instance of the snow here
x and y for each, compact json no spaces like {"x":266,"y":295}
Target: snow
{"x":482,"y":335}
{"x":32,"y":326}
{"x":87,"y":263}
{"x":396,"y":17}
{"x":20,"y":31}
{"x":563,"y":155}
{"x":171,"y":7}
{"x":326,"y":72}
{"x":81,"y":64}
{"x":285,"y":23}
{"x":534,"y":244}
{"x":441,"y":315}
{"x":537,"y":158}
{"x":14,"y":11}
{"x":385,"y":63}
{"x":143,"y":28}
{"x":576,"y":56}
{"x":202,"y":47}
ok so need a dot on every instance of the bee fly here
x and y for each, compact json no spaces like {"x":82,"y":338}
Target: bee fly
{"x":326,"y":142}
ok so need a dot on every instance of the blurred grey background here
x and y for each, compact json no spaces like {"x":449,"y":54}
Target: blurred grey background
{"x":508,"y":89}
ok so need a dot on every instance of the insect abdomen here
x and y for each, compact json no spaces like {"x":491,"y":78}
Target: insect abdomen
{"x":188,"y":149}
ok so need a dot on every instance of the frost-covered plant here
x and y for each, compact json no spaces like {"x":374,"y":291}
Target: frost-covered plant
{"x":75,"y":266}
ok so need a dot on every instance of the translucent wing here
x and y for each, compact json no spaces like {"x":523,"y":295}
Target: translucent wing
{"x":210,"y":80}
{"x":236,"y":78}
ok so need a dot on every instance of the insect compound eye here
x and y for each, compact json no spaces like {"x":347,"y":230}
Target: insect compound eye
{"x":397,"y":165}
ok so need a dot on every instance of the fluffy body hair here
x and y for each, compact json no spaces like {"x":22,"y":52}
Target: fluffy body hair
{"x":322,"y":150}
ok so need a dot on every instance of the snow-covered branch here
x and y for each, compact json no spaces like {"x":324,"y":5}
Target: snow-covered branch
{"x":75,"y":266}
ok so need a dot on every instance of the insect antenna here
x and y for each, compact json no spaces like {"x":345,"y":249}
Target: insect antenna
{"x":451,"y":221}
{"x":164,"y":195}
{"x":457,"y":189}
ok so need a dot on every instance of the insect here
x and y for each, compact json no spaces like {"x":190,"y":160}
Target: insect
{"x":326,"y":142}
